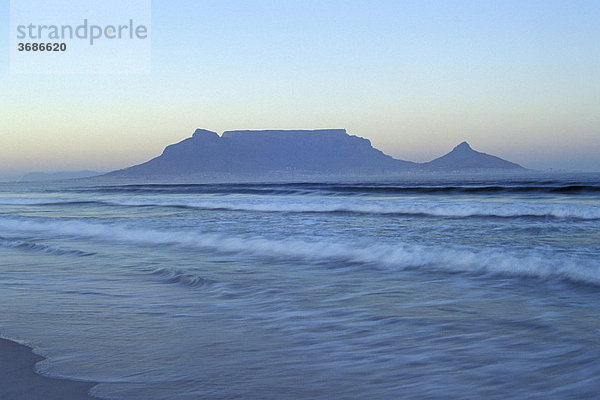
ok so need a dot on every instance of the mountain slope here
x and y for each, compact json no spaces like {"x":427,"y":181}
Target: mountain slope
{"x":463,"y":157}
{"x":326,"y":151}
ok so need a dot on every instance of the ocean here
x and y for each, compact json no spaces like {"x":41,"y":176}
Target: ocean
{"x":422,"y":287}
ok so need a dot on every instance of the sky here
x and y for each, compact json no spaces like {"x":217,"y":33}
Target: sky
{"x":517,"y":79}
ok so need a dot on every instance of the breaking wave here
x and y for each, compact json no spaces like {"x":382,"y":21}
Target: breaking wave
{"x":40,"y":248}
{"x":388,"y":207}
{"x":433,"y":208}
{"x":519,"y":263}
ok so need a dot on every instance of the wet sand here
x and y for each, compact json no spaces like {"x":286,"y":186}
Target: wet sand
{"x":19,"y":381}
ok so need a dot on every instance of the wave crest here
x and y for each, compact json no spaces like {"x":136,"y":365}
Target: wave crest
{"x":399,"y":207}
{"x":513,"y":262}
{"x":40,"y":248}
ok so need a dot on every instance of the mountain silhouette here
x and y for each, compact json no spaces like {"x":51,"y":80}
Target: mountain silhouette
{"x":463,"y":157}
{"x":289,"y":152}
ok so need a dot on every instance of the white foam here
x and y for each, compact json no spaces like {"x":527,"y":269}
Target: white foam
{"x":532,"y":263}
{"x":389,"y":206}
{"x":308,"y":204}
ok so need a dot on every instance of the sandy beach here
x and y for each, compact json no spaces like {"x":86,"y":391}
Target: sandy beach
{"x":19,"y":381}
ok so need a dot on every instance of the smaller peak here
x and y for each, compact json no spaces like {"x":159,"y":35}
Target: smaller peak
{"x":463,"y":146}
{"x":204,"y":132}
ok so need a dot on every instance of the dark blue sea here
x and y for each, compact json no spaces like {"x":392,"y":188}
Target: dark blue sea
{"x":420,"y":287}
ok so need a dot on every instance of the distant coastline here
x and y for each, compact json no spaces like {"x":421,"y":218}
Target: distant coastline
{"x":290,"y":156}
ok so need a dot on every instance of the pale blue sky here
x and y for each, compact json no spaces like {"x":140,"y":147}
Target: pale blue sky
{"x":519,"y":79}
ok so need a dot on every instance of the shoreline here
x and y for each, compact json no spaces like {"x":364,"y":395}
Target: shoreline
{"x":18,"y":379}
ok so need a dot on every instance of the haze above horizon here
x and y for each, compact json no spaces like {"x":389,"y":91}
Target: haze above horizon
{"x":520,"y":80}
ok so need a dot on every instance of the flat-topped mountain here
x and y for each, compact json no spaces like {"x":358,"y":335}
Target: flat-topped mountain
{"x":325,"y":151}
{"x":272,"y":152}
